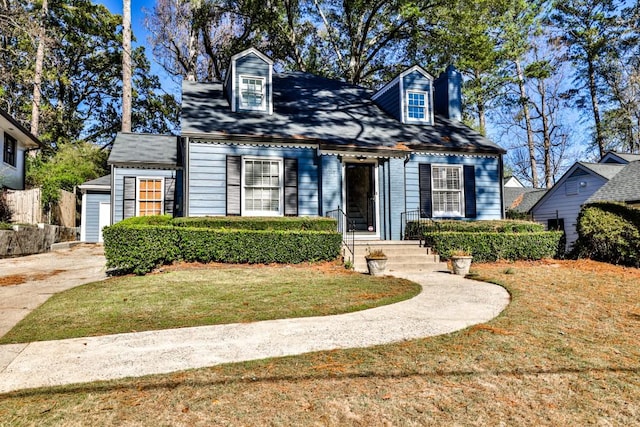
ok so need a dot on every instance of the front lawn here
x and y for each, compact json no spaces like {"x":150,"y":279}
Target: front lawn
{"x":194,"y":295}
{"x":564,"y":352}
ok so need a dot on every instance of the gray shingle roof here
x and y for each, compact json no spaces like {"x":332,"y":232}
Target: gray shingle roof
{"x":522,"y":199}
{"x":605,"y":170}
{"x":156,"y":151}
{"x":98,"y":182}
{"x":312,"y":109}
{"x":624,"y":187}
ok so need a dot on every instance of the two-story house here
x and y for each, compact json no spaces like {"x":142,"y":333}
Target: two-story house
{"x":263,"y":143}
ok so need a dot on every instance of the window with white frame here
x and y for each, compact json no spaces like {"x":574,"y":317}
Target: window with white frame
{"x":262,"y":186}
{"x":416,"y":105}
{"x":447,"y":191}
{"x":252,"y":93}
{"x":150,"y":196}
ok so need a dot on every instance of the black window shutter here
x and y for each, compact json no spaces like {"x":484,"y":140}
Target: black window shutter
{"x":234,"y":170}
{"x":129,"y":200}
{"x":169,"y":195}
{"x":291,"y":187}
{"x":424,"y":183}
{"x":469,"y":191}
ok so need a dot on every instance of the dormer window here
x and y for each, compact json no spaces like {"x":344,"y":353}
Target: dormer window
{"x":252,"y":93}
{"x":416,"y":105}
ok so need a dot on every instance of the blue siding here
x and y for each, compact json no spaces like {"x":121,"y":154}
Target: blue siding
{"x":417,"y":81}
{"x":254,"y":66}
{"x":487,"y":174}
{"x":92,"y":214}
{"x":389,"y":101}
{"x":118,"y":185}
{"x":207,"y":175}
{"x":331,"y":183}
{"x":397,"y":195}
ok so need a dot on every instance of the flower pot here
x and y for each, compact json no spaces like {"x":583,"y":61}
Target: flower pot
{"x":461,"y":264}
{"x":376,"y":266}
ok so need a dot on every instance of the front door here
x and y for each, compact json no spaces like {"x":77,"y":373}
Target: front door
{"x":361,"y":196}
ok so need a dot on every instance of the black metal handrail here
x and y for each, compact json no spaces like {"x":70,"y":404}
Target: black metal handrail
{"x":412,"y":224}
{"x":346,"y":227}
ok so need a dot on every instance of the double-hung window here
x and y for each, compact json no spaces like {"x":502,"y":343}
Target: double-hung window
{"x":150,"y":196}
{"x":9,"y":152}
{"x":447,"y":190}
{"x":252,"y":93}
{"x":262,"y":186}
{"x":416,"y":105}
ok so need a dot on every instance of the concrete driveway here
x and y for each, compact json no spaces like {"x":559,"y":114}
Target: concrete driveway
{"x":27,"y":282}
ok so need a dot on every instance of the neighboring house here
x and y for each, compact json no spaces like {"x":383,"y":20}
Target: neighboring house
{"x":512,"y":182}
{"x":15,"y":141}
{"x":294,"y":144}
{"x":521,"y":199}
{"x":585,"y":183}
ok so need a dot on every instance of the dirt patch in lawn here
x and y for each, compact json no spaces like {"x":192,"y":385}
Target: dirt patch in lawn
{"x":12,"y":280}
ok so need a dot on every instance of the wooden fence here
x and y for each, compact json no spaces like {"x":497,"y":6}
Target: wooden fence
{"x":26,"y":206}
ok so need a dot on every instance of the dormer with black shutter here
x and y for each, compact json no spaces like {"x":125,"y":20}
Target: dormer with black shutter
{"x":408,"y":97}
{"x":248,"y":83}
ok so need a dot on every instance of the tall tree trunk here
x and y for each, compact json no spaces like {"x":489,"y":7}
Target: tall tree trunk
{"x":527,"y":120}
{"x":482,"y":115}
{"x":595,"y":106}
{"x":126,"y":66}
{"x":546,"y":135}
{"x":37,"y":75}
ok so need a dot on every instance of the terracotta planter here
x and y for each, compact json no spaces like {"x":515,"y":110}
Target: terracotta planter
{"x":376,"y":266}
{"x":461,"y":264}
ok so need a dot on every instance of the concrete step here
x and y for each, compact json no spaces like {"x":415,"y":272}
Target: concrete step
{"x":406,"y":256}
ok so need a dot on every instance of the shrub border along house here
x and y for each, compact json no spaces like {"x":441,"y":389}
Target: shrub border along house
{"x":140,"y":244}
{"x":493,"y":240}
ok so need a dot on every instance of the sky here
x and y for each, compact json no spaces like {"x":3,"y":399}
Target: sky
{"x":141,"y":35}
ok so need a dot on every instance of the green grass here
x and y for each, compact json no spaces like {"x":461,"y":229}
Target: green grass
{"x":564,"y":353}
{"x":206,"y":296}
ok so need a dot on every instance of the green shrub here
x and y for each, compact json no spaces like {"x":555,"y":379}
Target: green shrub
{"x":132,"y":246}
{"x":140,"y":248}
{"x":486,"y":247}
{"x":258,"y":223}
{"x":609,"y":232}
{"x":146,"y":220}
{"x":414,"y":228}
{"x":258,"y":246}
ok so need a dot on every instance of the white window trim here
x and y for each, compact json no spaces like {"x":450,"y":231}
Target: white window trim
{"x":247,"y":212}
{"x":16,"y":149}
{"x":427,"y":113}
{"x":444,"y":214}
{"x":155,"y":178}
{"x":263,"y":105}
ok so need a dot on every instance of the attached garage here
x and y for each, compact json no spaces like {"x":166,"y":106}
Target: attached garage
{"x":96,"y":208}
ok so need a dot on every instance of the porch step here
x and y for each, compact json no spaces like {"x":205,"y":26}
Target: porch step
{"x":405,"y":256}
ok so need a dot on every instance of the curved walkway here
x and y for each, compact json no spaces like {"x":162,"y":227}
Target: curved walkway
{"x":447,"y":303}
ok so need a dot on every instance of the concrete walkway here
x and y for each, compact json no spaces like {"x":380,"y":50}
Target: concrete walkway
{"x":446,"y":304}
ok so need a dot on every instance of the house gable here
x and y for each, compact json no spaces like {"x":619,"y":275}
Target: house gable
{"x":562,"y":203}
{"x":248,"y":84}
{"x":409,"y":97}
{"x":621,"y":158}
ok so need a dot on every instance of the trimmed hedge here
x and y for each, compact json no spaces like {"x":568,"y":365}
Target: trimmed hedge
{"x":258,"y":223}
{"x":486,"y":247}
{"x":133,"y":247}
{"x":490,"y":226}
{"x":609,"y":232}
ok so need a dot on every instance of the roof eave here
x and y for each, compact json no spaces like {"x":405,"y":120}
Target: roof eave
{"x":36,"y":142}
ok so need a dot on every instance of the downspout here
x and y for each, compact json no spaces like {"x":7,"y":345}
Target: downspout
{"x":113,"y":194}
